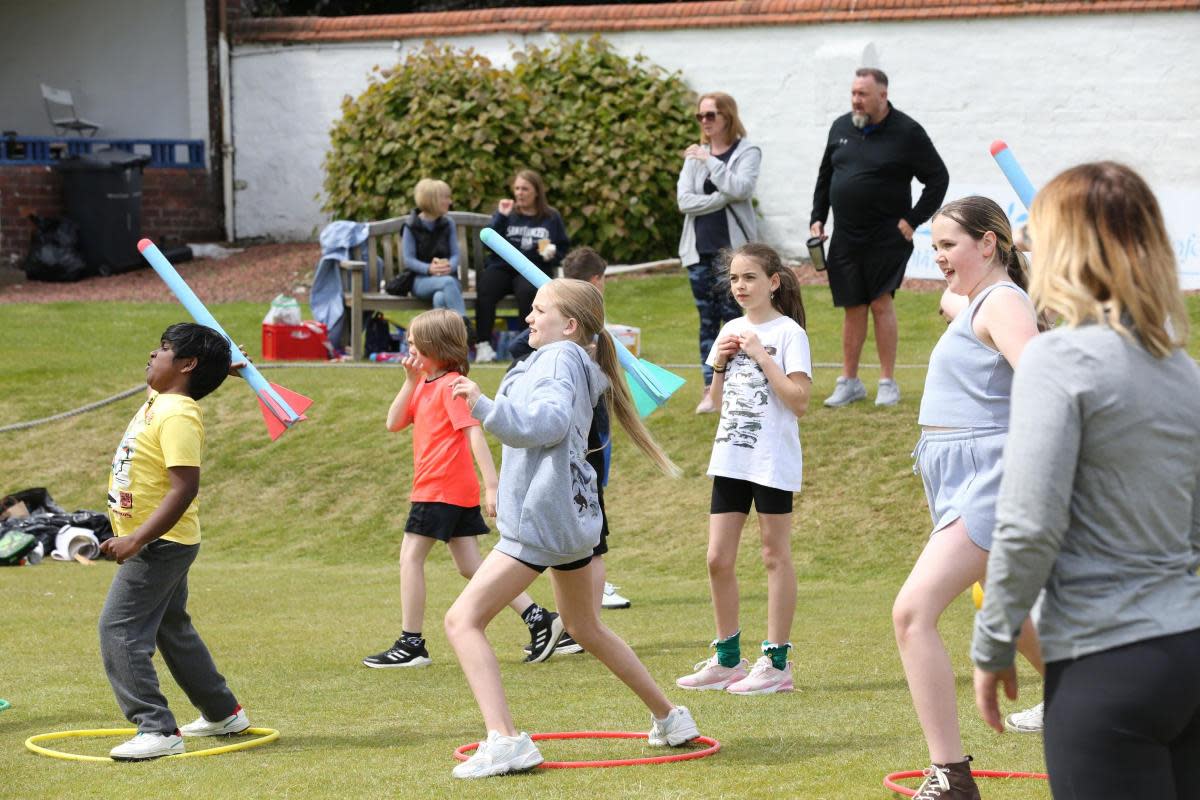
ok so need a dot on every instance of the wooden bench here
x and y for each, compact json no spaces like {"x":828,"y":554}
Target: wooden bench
{"x":384,"y":250}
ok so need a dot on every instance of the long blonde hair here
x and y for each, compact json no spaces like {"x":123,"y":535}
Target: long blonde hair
{"x":1102,"y":252}
{"x":581,"y":301}
{"x":441,"y":336}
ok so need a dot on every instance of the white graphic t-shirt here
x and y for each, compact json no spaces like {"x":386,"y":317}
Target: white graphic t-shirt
{"x":758,"y":437}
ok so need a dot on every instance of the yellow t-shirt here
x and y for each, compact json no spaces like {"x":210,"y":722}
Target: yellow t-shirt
{"x":167,"y":431}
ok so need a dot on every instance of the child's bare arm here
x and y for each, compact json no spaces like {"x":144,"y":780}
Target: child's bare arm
{"x":398,"y":417}
{"x":792,"y":388}
{"x":185,"y":484}
{"x":487,"y":467}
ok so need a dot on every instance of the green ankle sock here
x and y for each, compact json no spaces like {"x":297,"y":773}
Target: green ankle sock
{"x":778,"y":653}
{"x":729,"y":651}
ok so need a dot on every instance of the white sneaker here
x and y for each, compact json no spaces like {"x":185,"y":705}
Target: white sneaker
{"x":678,"y":728}
{"x":888,"y":394}
{"x":848,"y":390}
{"x":484,"y":353}
{"x":146,"y":746}
{"x":1027,"y":721}
{"x":612,"y":599}
{"x":234,"y":723}
{"x":500,"y":755}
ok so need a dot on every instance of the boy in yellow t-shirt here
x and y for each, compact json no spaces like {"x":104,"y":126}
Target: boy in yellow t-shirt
{"x":152,"y":504}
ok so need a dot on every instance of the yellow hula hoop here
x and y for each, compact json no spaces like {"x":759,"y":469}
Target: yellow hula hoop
{"x":265,"y":736}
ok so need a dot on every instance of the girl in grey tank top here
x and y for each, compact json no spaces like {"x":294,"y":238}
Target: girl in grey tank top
{"x":965,"y":412}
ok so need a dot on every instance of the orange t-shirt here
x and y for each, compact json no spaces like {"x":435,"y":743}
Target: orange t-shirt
{"x":443,"y":468}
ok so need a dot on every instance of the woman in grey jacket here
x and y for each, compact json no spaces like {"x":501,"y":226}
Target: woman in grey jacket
{"x":1100,"y":500}
{"x":714,"y":192}
{"x":549,"y":515}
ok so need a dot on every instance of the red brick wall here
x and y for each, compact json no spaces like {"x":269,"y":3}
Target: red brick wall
{"x":177,"y":206}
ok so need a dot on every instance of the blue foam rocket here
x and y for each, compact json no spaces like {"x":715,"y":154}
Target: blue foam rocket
{"x":1012,"y":170}
{"x":281,"y":408}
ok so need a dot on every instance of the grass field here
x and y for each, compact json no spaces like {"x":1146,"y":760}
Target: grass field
{"x":297,"y":582}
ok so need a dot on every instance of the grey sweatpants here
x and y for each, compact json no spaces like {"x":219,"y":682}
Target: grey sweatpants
{"x":147,"y":606}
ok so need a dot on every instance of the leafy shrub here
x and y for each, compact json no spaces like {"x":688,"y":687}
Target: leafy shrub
{"x":605,"y":132}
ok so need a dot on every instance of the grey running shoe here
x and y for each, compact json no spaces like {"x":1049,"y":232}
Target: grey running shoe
{"x":849,"y":390}
{"x":888,"y":394}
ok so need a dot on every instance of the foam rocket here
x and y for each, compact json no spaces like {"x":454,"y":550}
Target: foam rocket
{"x":281,"y":408}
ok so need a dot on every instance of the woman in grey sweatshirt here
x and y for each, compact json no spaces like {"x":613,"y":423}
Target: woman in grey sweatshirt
{"x":549,"y":516}
{"x":1100,"y":500}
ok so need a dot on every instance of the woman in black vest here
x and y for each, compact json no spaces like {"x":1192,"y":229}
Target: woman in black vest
{"x":431,"y":248}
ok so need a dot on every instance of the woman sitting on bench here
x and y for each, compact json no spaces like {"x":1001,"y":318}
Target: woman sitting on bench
{"x":534,"y":228}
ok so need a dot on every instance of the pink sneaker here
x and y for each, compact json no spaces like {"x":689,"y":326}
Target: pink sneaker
{"x":764,"y":679}
{"x":711,"y":675}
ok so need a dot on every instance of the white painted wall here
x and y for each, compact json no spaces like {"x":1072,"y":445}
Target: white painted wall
{"x":136,"y":67}
{"x":1060,"y":90}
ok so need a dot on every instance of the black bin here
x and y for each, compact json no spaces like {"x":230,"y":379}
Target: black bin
{"x":102,"y":193}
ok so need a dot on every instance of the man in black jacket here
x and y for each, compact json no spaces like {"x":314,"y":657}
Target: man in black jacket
{"x":872,"y":156}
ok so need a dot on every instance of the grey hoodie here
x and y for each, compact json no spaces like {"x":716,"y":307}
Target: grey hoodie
{"x":548,"y":513}
{"x":735,"y":184}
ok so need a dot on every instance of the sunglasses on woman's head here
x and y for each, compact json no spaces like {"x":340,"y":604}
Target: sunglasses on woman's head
{"x":707,"y":116}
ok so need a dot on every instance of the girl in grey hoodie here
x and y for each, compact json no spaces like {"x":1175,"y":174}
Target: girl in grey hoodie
{"x":549,"y":517}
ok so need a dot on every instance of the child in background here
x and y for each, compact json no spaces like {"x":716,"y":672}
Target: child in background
{"x":549,"y":516}
{"x":445,"y":493}
{"x":763,"y":374}
{"x":585,"y":264}
{"x":156,"y":518}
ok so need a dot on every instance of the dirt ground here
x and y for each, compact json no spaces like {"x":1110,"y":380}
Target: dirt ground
{"x":258,"y":273}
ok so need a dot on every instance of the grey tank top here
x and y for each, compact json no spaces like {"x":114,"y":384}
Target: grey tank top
{"x":968,"y":384}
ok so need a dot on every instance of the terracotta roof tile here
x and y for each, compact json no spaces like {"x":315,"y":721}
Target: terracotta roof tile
{"x":647,"y":16}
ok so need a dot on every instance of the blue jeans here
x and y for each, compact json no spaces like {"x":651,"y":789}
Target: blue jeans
{"x":715,"y":305}
{"x":444,"y":290}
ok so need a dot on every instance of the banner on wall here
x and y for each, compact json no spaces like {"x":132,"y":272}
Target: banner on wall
{"x":1180,"y":207}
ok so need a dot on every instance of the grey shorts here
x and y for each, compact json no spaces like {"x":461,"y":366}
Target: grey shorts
{"x":961,"y":471}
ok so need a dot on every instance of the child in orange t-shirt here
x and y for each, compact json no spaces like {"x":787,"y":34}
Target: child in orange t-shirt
{"x":445,"y":492}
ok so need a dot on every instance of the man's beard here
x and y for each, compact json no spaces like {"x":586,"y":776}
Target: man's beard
{"x":859,"y":119}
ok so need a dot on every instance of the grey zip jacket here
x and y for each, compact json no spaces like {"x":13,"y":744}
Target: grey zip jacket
{"x":547,"y":512}
{"x":735,"y":184}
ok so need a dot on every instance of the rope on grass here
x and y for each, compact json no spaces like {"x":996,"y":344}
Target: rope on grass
{"x":33,"y":423}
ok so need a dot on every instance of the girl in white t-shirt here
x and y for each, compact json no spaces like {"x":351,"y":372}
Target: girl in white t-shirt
{"x":763,"y":375}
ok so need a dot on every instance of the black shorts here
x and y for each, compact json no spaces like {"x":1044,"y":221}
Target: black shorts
{"x":443,"y":521}
{"x":733,"y":495}
{"x":602,"y":548}
{"x":568,"y":567}
{"x":856,"y":277}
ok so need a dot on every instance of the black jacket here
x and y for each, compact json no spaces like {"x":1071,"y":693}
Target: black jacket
{"x":867,"y":178}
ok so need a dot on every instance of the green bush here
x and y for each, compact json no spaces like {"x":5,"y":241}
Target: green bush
{"x":605,"y":132}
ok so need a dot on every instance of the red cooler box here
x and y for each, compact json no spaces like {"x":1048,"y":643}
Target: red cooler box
{"x":304,"y":342}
